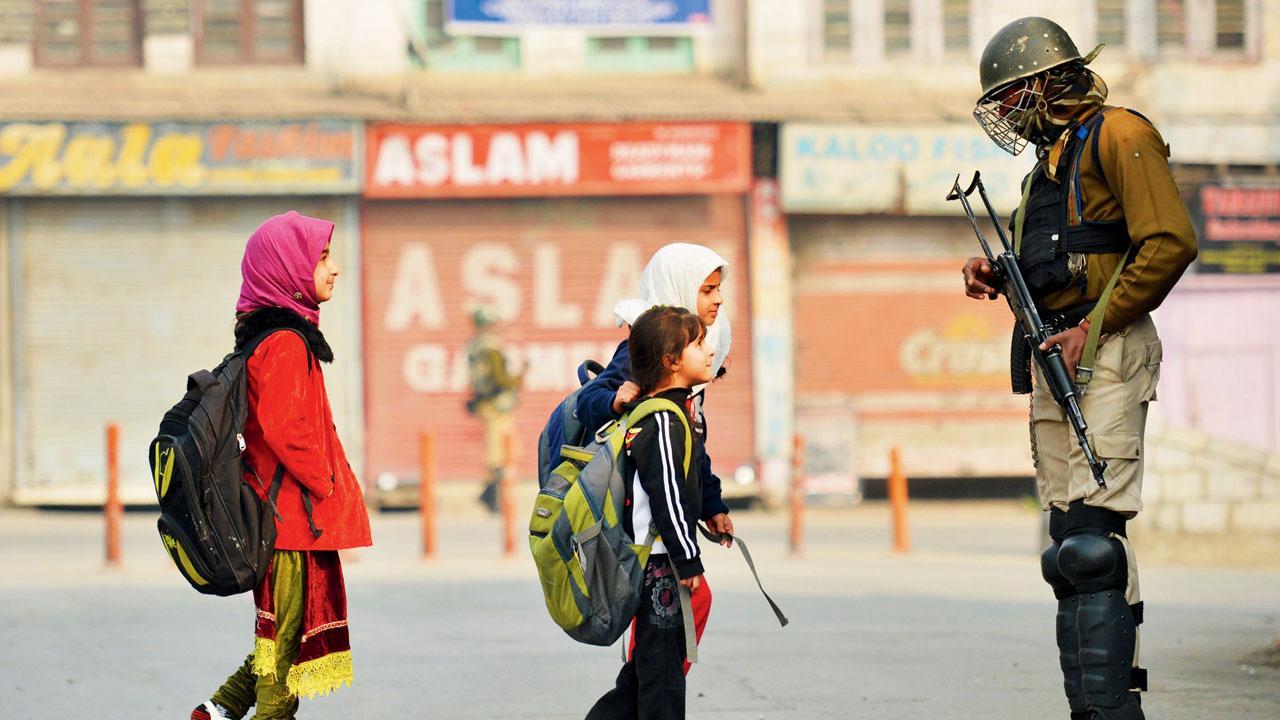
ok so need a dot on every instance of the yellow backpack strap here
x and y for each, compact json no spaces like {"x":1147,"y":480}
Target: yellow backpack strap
{"x":657,"y":405}
{"x":1084,"y":371}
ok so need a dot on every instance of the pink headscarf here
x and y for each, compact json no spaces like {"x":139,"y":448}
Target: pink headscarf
{"x":280,"y":262}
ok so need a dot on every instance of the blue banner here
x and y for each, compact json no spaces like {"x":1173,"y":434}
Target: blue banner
{"x":578,"y":13}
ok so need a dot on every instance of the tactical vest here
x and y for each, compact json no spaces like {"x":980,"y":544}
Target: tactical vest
{"x":1052,"y":252}
{"x":1043,"y":235}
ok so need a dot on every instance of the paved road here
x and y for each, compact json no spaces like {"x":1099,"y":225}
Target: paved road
{"x":959,"y":628}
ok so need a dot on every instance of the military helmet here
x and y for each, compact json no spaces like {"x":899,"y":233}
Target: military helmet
{"x":1025,"y":47}
{"x":484,"y":316}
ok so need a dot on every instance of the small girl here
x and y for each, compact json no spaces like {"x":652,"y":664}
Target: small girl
{"x":669,"y":356}
{"x":301,"y":645}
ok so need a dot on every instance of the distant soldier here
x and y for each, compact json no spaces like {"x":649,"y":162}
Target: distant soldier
{"x":1102,"y":236}
{"x":493,"y":399}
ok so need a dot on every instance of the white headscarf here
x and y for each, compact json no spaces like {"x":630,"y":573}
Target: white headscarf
{"x":674,"y":276}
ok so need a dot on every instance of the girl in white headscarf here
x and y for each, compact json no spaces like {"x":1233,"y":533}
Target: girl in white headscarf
{"x":681,"y":275}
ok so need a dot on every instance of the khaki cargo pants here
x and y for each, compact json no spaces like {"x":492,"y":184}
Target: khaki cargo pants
{"x":1126,"y":370}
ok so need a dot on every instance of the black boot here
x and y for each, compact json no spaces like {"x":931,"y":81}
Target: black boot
{"x":489,"y":496}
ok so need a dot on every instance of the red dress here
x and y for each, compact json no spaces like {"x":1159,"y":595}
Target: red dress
{"x":290,"y":422}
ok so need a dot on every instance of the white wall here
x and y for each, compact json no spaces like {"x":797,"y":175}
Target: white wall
{"x":357,"y":37}
{"x":168,"y":54}
{"x":15,"y":59}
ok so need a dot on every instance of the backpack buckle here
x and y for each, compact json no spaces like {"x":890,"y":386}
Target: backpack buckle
{"x":602,"y":435}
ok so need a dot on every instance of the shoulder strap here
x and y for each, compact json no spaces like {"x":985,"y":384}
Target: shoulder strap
{"x":746,"y":555}
{"x":252,"y":346}
{"x":588,"y":371}
{"x":1084,"y":370}
{"x":1093,"y":128}
{"x":686,"y":599}
{"x":657,"y":405}
{"x":690,"y":623}
{"x":1086,"y":133}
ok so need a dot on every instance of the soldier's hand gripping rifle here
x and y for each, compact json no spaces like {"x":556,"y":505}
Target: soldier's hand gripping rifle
{"x":1034,"y":331}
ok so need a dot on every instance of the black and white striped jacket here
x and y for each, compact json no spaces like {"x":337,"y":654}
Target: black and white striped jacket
{"x":658,"y":491}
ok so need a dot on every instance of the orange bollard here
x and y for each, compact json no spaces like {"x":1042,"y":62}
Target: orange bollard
{"x":113,"y":510}
{"x":506,"y":496}
{"x":427,"y":496}
{"x":898,"y":502}
{"x":797,"y":497}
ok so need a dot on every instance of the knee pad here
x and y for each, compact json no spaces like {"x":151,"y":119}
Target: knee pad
{"x":1092,"y":562}
{"x":1062,"y":587}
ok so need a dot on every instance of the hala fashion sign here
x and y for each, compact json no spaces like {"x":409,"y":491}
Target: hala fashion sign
{"x":899,"y":170}
{"x":508,"y":16}
{"x":540,"y":160}
{"x":173,"y":158}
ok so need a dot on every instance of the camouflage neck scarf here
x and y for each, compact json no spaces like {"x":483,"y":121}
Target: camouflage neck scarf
{"x":1068,"y":96}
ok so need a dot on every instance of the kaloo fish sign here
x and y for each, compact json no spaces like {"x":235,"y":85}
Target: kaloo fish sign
{"x":544,"y":160}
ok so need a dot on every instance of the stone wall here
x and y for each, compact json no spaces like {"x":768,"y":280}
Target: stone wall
{"x":1195,"y":484}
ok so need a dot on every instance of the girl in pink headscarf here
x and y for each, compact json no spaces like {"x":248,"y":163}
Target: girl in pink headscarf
{"x":301,"y":645}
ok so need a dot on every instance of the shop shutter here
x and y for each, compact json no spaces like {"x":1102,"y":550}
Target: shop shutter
{"x":886,"y":338}
{"x":557,"y":267}
{"x":117,"y":300}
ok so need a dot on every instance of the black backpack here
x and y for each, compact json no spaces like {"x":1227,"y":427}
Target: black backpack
{"x":218,"y":531}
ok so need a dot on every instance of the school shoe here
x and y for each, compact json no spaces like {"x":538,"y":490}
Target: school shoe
{"x":210,"y":710}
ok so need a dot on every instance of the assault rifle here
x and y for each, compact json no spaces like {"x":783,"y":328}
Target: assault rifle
{"x":1034,"y":330}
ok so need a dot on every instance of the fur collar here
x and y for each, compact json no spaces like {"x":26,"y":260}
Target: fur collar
{"x":259,"y":321}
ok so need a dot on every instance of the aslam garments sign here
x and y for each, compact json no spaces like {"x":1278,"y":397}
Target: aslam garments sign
{"x":552,"y":270}
{"x":416,"y":161}
{"x":179,"y":158}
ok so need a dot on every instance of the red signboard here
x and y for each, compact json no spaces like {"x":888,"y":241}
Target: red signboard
{"x":456,"y":161}
{"x":1239,"y":228}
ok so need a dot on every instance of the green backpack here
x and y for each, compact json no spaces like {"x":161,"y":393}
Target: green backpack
{"x":591,"y":570}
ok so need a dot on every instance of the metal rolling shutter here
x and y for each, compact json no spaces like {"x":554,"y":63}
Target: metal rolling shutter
{"x":116,"y":302}
{"x":887,"y":342}
{"x":427,"y":246}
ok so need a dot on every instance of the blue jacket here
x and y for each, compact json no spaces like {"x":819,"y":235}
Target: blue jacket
{"x":595,"y":408}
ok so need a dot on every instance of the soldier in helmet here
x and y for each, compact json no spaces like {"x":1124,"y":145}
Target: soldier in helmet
{"x":493,"y":399}
{"x":1102,"y":236}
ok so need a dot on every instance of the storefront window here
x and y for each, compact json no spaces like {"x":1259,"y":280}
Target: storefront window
{"x":640,"y":54}
{"x":249,"y":32}
{"x":1230,"y":26}
{"x":897,"y":28}
{"x":837,"y":28}
{"x":445,"y":51}
{"x":1171,"y":25}
{"x":1111,"y":22}
{"x":72,"y":33}
{"x":955,"y":26}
